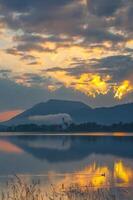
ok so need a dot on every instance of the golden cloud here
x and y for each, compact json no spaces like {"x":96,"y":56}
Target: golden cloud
{"x":93,"y":84}
{"x":63,"y":55}
{"x":87,"y":83}
{"x":123,"y":89}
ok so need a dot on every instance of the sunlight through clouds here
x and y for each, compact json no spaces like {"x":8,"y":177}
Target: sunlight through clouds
{"x":89,"y":84}
{"x":123,"y":89}
{"x":36,"y":36}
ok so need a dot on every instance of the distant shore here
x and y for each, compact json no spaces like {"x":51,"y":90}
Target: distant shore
{"x":73,"y":128}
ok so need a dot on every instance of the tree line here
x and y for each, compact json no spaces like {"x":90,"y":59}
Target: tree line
{"x":83,"y":127}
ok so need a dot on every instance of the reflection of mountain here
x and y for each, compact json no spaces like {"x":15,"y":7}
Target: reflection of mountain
{"x":70,"y":148}
{"x":77,"y":111}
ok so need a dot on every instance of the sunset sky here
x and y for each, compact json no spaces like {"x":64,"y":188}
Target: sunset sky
{"x":65,"y":49}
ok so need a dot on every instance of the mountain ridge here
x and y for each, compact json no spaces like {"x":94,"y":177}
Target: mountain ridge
{"x":78,"y":111}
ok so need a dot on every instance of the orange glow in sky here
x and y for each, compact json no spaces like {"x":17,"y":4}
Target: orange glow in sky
{"x":8,"y":114}
{"x":68,"y":49}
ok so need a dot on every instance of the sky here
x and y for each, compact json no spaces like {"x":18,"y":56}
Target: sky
{"x":65,"y":49}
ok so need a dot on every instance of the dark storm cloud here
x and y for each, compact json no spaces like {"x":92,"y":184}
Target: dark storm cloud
{"x":24,"y":95}
{"x":32,"y":38}
{"x":28,"y":42}
{"x":23,"y":54}
{"x":56,"y":17}
{"x":16,"y":5}
{"x":119,"y":67}
{"x":22,"y":49}
{"x":61,"y":16}
{"x":79,"y":69}
{"x":21,"y":97}
{"x":104,"y":7}
{"x":124,"y":18}
{"x":35,"y":79}
{"x":27,"y":79}
{"x":37,"y":21}
{"x":28,"y":57}
{"x":35,"y":16}
{"x":4,"y":73}
{"x":34,"y":63}
{"x":13,"y":51}
{"x":130,"y":14}
{"x":29,"y":47}
{"x":99,"y":35}
{"x":54,"y":69}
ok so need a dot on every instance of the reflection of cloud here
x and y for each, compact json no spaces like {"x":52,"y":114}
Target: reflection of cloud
{"x":51,"y":144}
{"x":123,"y":173}
{"x":99,"y":176}
{"x":8,"y":147}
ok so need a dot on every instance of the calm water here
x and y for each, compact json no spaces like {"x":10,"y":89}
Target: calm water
{"x":100,"y":160}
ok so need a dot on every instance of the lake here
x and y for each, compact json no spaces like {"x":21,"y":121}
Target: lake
{"x":95,"y":160}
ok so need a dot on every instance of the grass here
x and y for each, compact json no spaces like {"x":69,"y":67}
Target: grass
{"x":18,"y":189}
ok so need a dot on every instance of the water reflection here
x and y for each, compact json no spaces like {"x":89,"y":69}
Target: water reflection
{"x":99,"y":177}
{"x":7,"y":146}
{"x":64,"y":148}
{"x":123,"y":173}
{"x":95,"y":160}
{"x":90,"y":166}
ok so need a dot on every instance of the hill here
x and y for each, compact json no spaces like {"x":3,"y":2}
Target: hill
{"x":73,"y":111}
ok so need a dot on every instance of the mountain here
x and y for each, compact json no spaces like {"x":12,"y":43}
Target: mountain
{"x":74,"y":111}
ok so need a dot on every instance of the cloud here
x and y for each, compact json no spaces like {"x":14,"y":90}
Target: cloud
{"x":51,"y":119}
{"x":69,"y":18}
{"x":123,"y":89}
{"x":64,"y":16}
{"x":97,"y":35}
{"x":104,"y":7}
{"x":88,"y":83}
{"x":124,"y":17}
{"x":25,"y":5}
{"x":4,"y":73}
{"x":81,"y":43}
{"x":21,"y":96}
{"x":120,"y":67}
{"x":28,"y":13}
{"x":99,"y":78}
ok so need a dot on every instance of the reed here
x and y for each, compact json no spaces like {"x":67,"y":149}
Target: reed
{"x":18,"y":189}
